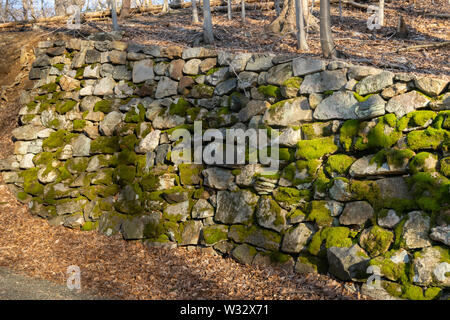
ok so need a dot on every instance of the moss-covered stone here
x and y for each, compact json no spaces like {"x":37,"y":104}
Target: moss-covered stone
{"x":104,"y":106}
{"x":376,"y":240}
{"x":291,"y":196}
{"x":445,"y":166}
{"x":270,"y":91}
{"x":428,"y":139}
{"x":348,"y":132}
{"x":338,"y":164}
{"x":316,"y":148}
{"x":77,"y":165}
{"x":416,"y":119}
{"x":124,"y":174}
{"x":394,"y":157}
{"x":179,"y":108}
{"x":57,"y":139}
{"x":423,"y":162}
{"x":31,"y":184}
{"x":105,"y":145}
{"x":214,"y":234}
{"x":320,"y":214}
{"x":329,"y":237}
{"x":190,"y":174}
{"x":65,"y":106}
{"x":430,"y":189}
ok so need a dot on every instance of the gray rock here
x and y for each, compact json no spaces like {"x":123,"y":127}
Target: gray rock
{"x":218,"y":76}
{"x":356,"y":213}
{"x":270,"y":215}
{"x":375,"y":83}
{"x":395,"y":187}
{"x":166,"y":87}
{"x":259,"y":62}
{"x":27,"y":132}
{"x":247,"y":174}
{"x":149,"y":143}
{"x":406,"y":103}
{"x":110,"y":122}
{"x":340,"y":105}
{"x":247,"y":79}
{"x":390,"y":220}
{"x":289,"y":137}
{"x":47,"y":176}
{"x":92,"y":72}
{"x":70,"y":206}
{"x":429,"y":269}
{"x":143,"y":70}
{"x":364,"y":168}
{"x":235,"y":207}
{"x":104,"y":86}
{"x":81,"y":146}
{"x":121,"y":72}
{"x":373,"y":107}
{"x":296,"y":238}
{"x":244,"y":253}
{"x":253,"y":108}
{"x":415,"y":230}
{"x":133,"y":227}
{"x":9,"y":164}
{"x":340,"y":190}
{"x":305,"y":66}
{"x":288,"y":112}
{"x":178,"y":211}
{"x":324,"y":81}
{"x":239,"y":62}
{"x":431,"y":86}
{"x":27,"y":161}
{"x":360,"y":72}
{"x":225,"y":87}
{"x":441,"y":234}
{"x":217,"y":178}
{"x":192,"y":67}
{"x":198,"y":52}
{"x":279,"y":74}
{"x":191,"y":232}
{"x":74,"y":221}
{"x":347,"y":263}
{"x":202,"y":209}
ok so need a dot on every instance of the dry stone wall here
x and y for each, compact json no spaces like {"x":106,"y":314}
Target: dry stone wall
{"x":362,"y":188}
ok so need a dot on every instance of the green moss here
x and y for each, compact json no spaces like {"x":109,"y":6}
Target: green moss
{"x":378,"y":241}
{"x":348,"y":131}
{"x":31,"y":184}
{"x":79,"y":73}
{"x":319,"y":265}
{"x":291,"y":196}
{"x":338,"y":164}
{"x":385,"y":133}
{"x":212,"y":71}
{"x":190,"y":174}
{"x":316,"y":148}
{"x":50,"y":87}
{"x":320,"y":214}
{"x":57,"y":139}
{"x":43,"y":158}
{"x":430,"y":190}
{"x":203,"y":90}
{"x":293,"y":82}
{"x":394,"y":157}
{"x":126,"y":157}
{"x":361,"y":98}
{"x":428,"y":139}
{"x":214,"y":234}
{"x":270,"y":91}
{"x":77,"y":165}
{"x":104,"y":106}
{"x":412,"y":292}
{"x":416,"y":119}
{"x":394,"y":289}
{"x":105,"y":145}
{"x":330,"y":237}
{"x":442,"y":121}
{"x":417,"y":164}
{"x":124,"y":174}
{"x":150,"y":182}
{"x":445,"y":166}
{"x":154,"y":229}
{"x":135,"y":116}
{"x":59,"y":66}
{"x":322,"y":183}
{"x":365,"y":190}
{"x":79,"y":124}
{"x":432,"y":293}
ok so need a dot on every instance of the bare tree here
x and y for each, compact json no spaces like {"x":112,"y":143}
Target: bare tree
{"x":381,"y":13}
{"x":114,"y":15}
{"x":285,"y":22}
{"x":243,"y":10}
{"x":301,"y":37}
{"x":326,"y":38}
{"x":229,"y":9}
{"x":194,"y":11}
{"x":208,"y":35}
{"x":125,"y":10}
{"x":165,"y":7}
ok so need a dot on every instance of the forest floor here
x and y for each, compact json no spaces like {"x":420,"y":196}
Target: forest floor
{"x":114,"y":268}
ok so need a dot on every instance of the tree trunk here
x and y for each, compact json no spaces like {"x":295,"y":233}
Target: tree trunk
{"x":243,"y":10}
{"x":165,"y":7}
{"x":194,"y":11}
{"x":208,"y":35}
{"x":114,"y":15}
{"x":381,"y":13}
{"x":125,"y":10}
{"x":277,"y":7}
{"x":326,"y":38}
{"x":229,"y":9}
{"x":60,"y":9}
{"x":285,"y":22}
{"x":301,"y":37}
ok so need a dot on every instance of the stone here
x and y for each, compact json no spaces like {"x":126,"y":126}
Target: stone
{"x":143,"y":70}
{"x":431,"y":86}
{"x":340,"y":105}
{"x":9,"y":164}
{"x":70,"y":206}
{"x":415,"y":230}
{"x":27,"y":132}
{"x":92,"y":56}
{"x":430,"y":269}
{"x":235,"y":207}
{"x":395,"y":187}
{"x":208,"y":64}
{"x":217,"y":178}
{"x":244,"y":253}
{"x":198,"y":52}
{"x":47,"y":176}
{"x":288,"y":112}
{"x":364,"y":167}
{"x":296,"y":238}
{"x":340,"y":190}
{"x":356,"y":213}
{"x":324,"y":81}
{"x":395,"y":90}
{"x":360,"y":72}
{"x":217,"y":76}
{"x":376,"y":240}
{"x":110,"y":122}
{"x":406,"y":103}
{"x":27,"y":161}
{"x":190,"y":232}
{"x":247,"y":79}
{"x":133,"y":228}
{"x":104,"y":86}
{"x":68,"y":83}
{"x":225,"y":87}
{"x":166,"y":87}
{"x":121,"y":72}
{"x":192,"y":67}
{"x":202,"y":209}
{"x":441,"y":234}
{"x":41,"y":61}
{"x":81,"y":146}
{"x":270,"y":215}
{"x":259,"y":237}
{"x":176,"y":69}
{"x":374,"y":83}
{"x":178,"y":211}
{"x":117,"y":57}
{"x":74,"y":221}
{"x":373,"y":107}
{"x":279,"y":74}
{"x":149,"y":142}
{"x":347,"y":263}
{"x":289,"y":137}
{"x":378,"y":292}
{"x":390,"y":220}
{"x":305,"y":66}
{"x":259,"y":62}
{"x":238,"y":62}
{"x":253,"y":108}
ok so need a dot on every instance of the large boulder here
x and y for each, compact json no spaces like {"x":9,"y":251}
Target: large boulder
{"x":235,"y":207}
{"x":347,"y":263}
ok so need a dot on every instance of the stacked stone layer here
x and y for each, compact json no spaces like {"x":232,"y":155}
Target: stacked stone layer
{"x":363,"y":185}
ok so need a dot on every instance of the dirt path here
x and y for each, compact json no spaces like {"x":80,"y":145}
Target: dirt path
{"x":14,"y":286}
